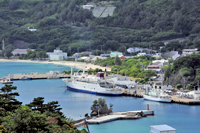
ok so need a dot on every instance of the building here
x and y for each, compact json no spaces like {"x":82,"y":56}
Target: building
{"x":157,"y":55}
{"x":172,"y":54}
{"x":141,"y":54}
{"x":82,"y":53}
{"x":105,"y":55}
{"x":88,"y":7}
{"x":97,"y":57}
{"x":162,"y":129}
{"x":122,"y":57}
{"x":134,"y":49}
{"x":115,"y":53}
{"x":190,"y":51}
{"x":162,"y":62}
{"x":32,"y":29}
{"x":57,"y":55}
{"x":19,"y":52}
{"x":155,"y":67}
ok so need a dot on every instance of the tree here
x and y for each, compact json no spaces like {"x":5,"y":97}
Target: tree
{"x":7,"y":98}
{"x":37,"y":104}
{"x":8,"y":50}
{"x":118,"y":61}
{"x":24,"y":119}
{"x":178,"y":86}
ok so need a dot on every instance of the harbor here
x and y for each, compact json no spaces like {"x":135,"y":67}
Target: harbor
{"x":133,"y":92}
{"x":76,"y":104}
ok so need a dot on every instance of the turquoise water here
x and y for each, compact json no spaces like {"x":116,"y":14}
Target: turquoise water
{"x":182,"y":117}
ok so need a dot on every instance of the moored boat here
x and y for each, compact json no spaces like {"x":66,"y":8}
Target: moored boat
{"x":157,"y":95}
{"x":92,"y":84}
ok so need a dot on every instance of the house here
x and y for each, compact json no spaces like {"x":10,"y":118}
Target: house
{"x":82,"y":53}
{"x":155,"y":67}
{"x":115,"y":53}
{"x":172,"y":54}
{"x":105,"y":55}
{"x":190,"y":51}
{"x":141,"y":54}
{"x":32,"y":29}
{"x":134,"y":49}
{"x":157,"y":55}
{"x":57,"y":54}
{"x":122,"y":57}
{"x":19,"y":52}
{"x":88,"y":7}
{"x":162,"y":62}
{"x":162,"y":129}
{"x":97,"y":57}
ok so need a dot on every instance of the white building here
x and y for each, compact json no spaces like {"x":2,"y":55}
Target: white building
{"x":18,"y":52}
{"x":162,"y":62}
{"x":190,"y":51}
{"x":134,"y":49}
{"x":88,"y":7}
{"x":115,"y":53}
{"x":157,"y":55}
{"x":57,"y":55}
{"x":162,"y":129}
{"x":32,"y":29}
{"x":141,"y":54}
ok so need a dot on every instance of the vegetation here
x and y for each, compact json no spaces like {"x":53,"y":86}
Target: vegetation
{"x":65,"y":24}
{"x":33,"y":117}
{"x":133,"y":67}
{"x":184,"y":71}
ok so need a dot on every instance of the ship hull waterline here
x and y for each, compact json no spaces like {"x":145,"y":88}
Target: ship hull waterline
{"x":93,"y":92}
{"x":156,"y":99}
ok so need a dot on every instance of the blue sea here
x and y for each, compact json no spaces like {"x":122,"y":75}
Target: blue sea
{"x":184,"y":118}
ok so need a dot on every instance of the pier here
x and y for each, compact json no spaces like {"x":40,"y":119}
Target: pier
{"x":34,"y":76}
{"x":187,"y":101}
{"x":118,"y":116}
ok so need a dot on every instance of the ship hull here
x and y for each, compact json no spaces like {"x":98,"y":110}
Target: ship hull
{"x":156,"y":99}
{"x":92,"y":88}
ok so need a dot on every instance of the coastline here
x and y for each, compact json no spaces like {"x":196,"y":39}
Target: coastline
{"x":79,"y":65}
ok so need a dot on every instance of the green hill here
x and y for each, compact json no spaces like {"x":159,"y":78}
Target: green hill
{"x":64,"y":24}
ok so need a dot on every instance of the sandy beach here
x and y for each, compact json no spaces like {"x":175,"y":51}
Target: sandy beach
{"x":79,"y":65}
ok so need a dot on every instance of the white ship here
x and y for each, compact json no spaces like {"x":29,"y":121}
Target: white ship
{"x":92,"y":84}
{"x":157,"y":95}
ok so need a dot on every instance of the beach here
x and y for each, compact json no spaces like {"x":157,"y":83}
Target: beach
{"x":79,"y":65}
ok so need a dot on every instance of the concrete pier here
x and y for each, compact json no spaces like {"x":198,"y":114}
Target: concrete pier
{"x":187,"y":101}
{"x":33,"y":76}
{"x":117,"y":116}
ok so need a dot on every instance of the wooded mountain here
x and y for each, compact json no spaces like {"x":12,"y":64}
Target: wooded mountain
{"x":65,"y":24}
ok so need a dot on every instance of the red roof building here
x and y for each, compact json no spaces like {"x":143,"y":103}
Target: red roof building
{"x":122,"y":57}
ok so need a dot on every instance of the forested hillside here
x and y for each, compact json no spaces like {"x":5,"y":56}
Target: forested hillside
{"x":65,"y":24}
{"x":184,"y":71}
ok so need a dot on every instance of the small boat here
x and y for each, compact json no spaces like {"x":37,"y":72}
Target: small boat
{"x":25,"y":78}
{"x":157,"y":95}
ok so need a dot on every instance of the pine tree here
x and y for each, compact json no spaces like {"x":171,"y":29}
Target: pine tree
{"x":7,"y":98}
{"x":118,"y":61}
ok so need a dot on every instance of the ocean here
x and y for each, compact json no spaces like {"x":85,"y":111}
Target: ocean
{"x":184,"y":118}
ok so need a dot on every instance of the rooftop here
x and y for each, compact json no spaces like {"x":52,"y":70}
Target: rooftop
{"x":163,"y":128}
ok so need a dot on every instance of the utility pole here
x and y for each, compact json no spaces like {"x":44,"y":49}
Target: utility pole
{"x":3,"y":47}
{"x":23,"y":23}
